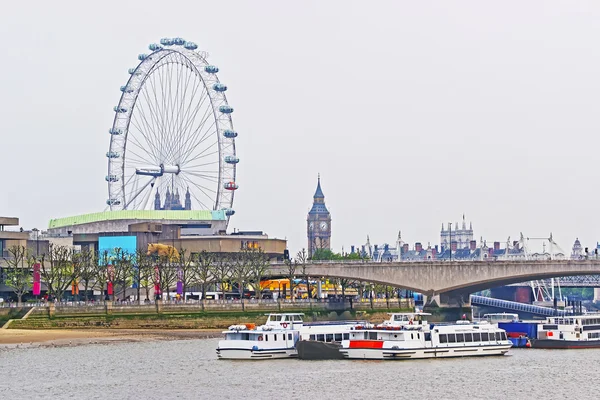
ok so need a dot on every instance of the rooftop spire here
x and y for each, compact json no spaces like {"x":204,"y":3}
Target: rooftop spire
{"x":319,"y":193}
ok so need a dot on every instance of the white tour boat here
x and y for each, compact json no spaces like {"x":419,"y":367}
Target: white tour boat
{"x":322,"y":341}
{"x":569,"y":332}
{"x":403,"y":342}
{"x":275,"y":339}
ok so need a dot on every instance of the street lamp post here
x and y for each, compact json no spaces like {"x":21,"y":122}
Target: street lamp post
{"x":36,"y":231}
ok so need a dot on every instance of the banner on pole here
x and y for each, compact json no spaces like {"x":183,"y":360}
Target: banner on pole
{"x":37,"y":283}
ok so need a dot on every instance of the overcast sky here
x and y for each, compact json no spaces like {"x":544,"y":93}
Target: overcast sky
{"x":413,"y":112}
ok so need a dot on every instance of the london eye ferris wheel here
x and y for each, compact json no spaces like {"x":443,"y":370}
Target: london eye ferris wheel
{"x":172,"y":142}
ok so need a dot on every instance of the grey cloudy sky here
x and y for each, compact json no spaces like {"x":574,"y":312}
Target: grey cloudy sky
{"x":413,"y":112}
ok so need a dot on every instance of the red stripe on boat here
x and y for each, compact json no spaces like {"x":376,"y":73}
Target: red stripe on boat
{"x":366,"y":344}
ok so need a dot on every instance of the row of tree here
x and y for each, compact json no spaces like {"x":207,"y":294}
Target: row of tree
{"x":63,"y":270}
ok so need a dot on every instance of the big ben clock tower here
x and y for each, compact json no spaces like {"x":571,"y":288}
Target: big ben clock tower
{"x":318,"y":223}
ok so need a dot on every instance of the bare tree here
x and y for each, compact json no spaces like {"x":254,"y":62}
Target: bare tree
{"x":57,"y":270}
{"x":86,"y":268}
{"x":203,"y":271}
{"x":186,"y":270}
{"x":221,"y":270}
{"x":101,"y":273}
{"x":302,"y":258}
{"x":291,"y":267}
{"x":19,"y":276}
{"x":122,"y":271}
{"x":259,"y":269}
{"x":144,"y":273}
{"x":165,"y":274}
{"x":242,"y":271}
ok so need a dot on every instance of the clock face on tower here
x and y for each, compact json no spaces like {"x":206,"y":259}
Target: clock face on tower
{"x":323,"y":226}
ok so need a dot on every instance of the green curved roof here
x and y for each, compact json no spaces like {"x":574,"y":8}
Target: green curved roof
{"x":193,"y":215}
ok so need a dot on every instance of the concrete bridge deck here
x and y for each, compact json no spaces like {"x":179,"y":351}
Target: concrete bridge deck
{"x":436,"y":277}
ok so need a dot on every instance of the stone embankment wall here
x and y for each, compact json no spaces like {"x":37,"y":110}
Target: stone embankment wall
{"x":189,"y":316}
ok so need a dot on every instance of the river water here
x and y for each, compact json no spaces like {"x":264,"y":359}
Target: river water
{"x":190,"y":369}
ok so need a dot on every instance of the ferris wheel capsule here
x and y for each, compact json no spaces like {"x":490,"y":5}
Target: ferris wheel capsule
{"x":142,"y":57}
{"x":230,"y":134}
{"x":190,"y":45}
{"x":113,"y":202}
{"x":125,"y":89}
{"x":111,"y":178}
{"x":115,"y":131}
{"x":179,"y":41}
{"x":131,"y":71}
{"x":231,"y":186}
{"x":166,"y":41}
{"x":229,"y":211}
{"x":120,"y":109}
{"x":226,"y":109}
{"x":155,"y":47}
{"x":211,"y":69}
{"x":232,"y":159}
{"x":219,"y":87}
{"x":112,"y":154}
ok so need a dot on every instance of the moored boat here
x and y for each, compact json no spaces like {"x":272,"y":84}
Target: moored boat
{"x":276,"y":339}
{"x":402,"y":342}
{"x":569,"y":332}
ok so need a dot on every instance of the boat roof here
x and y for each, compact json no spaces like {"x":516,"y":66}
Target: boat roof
{"x":409,"y":313}
{"x":269,"y":314}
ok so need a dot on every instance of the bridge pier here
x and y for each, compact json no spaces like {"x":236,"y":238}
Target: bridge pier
{"x":448,"y":306}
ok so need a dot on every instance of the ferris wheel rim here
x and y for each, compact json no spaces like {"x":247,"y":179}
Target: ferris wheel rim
{"x":154,"y":61}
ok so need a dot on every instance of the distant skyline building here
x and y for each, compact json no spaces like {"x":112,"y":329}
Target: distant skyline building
{"x":172,"y":201}
{"x":457,"y":238}
{"x":318,"y":223}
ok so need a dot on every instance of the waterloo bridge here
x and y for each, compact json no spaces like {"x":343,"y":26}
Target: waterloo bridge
{"x":448,"y":284}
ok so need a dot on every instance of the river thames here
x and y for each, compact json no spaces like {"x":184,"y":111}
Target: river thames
{"x":190,"y":369}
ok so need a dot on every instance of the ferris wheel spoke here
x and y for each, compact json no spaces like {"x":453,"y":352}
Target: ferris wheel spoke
{"x":188,"y":126}
{"x":149,"y":150}
{"x":182,"y":111}
{"x":194,"y":141}
{"x":188,"y":167}
{"x":204,"y":154}
{"x":203,"y":190}
{"x":157,"y":114}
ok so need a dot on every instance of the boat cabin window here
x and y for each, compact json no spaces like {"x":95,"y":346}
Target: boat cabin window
{"x":373,"y":335}
{"x":484,"y":337}
{"x":275,"y":337}
{"x":329,"y":337}
{"x":266,"y":338}
{"x":338,"y":337}
{"x":468,"y":337}
{"x":289,"y":336}
{"x":443,"y":338}
{"x":428,"y":336}
{"x":400,"y":317}
{"x":312,"y":337}
{"x":503,"y":335}
{"x":451,"y":338}
{"x":460,"y":338}
{"x":346,"y":336}
{"x":321,"y":337}
{"x":476,"y":337}
{"x":297,"y":318}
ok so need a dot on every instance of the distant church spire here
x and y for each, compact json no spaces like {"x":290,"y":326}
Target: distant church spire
{"x":157,"y":200}
{"x":188,"y":200}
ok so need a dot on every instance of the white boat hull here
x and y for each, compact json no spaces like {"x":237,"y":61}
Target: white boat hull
{"x":422,"y":353}
{"x":253,"y":353}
